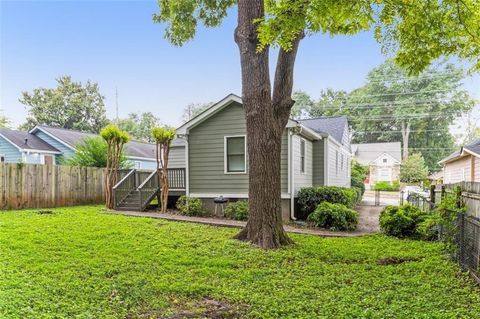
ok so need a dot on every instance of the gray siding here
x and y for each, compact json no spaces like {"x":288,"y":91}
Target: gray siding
{"x":66,"y":151}
{"x":318,"y":163}
{"x":338,"y":175}
{"x":177,"y":157}
{"x":206,"y":154}
{"x":304,"y":179}
{"x":11,"y":153}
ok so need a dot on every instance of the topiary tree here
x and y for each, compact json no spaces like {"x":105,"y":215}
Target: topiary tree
{"x":163,"y":138}
{"x":413,"y":169}
{"x":115,"y":139}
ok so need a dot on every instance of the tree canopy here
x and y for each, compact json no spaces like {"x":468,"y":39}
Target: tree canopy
{"x":193,"y":109}
{"x":413,"y":169}
{"x":70,"y":105}
{"x":4,"y":121}
{"x":139,"y":126}
{"x":393,"y":107}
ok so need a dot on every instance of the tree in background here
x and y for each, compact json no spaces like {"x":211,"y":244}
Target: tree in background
{"x":283,"y":23}
{"x":92,"y":152}
{"x":115,"y":139}
{"x":393,"y":106}
{"x":413,"y":169}
{"x":193,"y":109}
{"x":140,"y":126}
{"x":302,"y":106}
{"x":70,"y":105}
{"x":163,"y":139}
{"x":4,"y":122}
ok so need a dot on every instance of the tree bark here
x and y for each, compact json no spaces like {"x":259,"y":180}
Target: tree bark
{"x":405,"y":139}
{"x":266,"y":118}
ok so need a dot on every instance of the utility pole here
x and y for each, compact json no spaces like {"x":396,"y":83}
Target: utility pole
{"x":116,"y":105}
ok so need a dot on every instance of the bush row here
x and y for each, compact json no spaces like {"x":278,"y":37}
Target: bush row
{"x":310,"y":197}
{"x":192,"y":206}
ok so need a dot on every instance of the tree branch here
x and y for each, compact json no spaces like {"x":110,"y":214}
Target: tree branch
{"x":283,"y":84}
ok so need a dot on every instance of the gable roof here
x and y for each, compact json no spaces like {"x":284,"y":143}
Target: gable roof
{"x":369,"y":152}
{"x":25,"y":141}
{"x":334,"y":126}
{"x":470,"y":148}
{"x":71,"y":138}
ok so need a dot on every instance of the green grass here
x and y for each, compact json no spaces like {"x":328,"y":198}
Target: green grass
{"x":81,"y":263}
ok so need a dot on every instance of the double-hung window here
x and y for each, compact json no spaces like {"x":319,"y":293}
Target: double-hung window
{"x":302,"y":156}
{"x":235,"y":159}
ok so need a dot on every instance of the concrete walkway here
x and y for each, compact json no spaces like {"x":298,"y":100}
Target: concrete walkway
{"x":365,"y":223}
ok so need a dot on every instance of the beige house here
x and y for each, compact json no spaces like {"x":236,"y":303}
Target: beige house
{"x":462,"y":165}
{"x":382,"y":159}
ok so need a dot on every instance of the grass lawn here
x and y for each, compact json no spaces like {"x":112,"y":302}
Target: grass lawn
{"x":81,"y":263}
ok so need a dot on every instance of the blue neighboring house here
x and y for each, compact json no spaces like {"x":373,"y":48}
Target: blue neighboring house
{"x":23,"y":147}
{"x":47,"y":145}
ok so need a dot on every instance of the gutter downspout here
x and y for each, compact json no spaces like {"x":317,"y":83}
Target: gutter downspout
{"x":325,"y":168}
{"x":187,"y":169}
{"x":292,"y":176}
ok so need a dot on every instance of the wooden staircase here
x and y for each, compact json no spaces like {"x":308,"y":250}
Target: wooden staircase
{"x":137,"y":188}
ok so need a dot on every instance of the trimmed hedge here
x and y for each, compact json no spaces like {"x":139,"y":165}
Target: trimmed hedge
{"x":335,"y":217}
{"x":386,"y":186}
{"x":190,"y":206}
{"x":310,"y":197}
{"x":237,"y":210}
{"x":402,"y":221}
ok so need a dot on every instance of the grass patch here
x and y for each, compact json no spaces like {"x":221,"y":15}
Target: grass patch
{"x":79,"y":262}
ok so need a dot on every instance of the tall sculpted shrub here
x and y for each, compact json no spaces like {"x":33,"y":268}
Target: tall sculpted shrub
{"x":163,"y":139}
{"x":115,"y":139}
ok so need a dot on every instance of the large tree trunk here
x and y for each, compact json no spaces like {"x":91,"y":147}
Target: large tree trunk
{"x":405,"y":139}
{"x":266,"y":118}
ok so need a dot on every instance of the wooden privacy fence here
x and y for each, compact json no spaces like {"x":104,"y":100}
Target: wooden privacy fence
{"x":37,"y":186}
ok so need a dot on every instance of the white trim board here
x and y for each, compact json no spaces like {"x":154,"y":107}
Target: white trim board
{"x":229,"y":195}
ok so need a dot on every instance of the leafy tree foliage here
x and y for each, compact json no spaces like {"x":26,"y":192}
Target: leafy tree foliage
{"x":92,"y":152}
{"x":70,"y":105}
{"x":284,"y":23}
{"x":139,"y":126}
{"x":4,"y":121}
{"x":413,"y":169}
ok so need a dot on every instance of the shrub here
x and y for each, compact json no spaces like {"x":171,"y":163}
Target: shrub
{"x":237,"y":210}
{"x":359,"y":173}
{"x":386,"y":186}
{"x":413,"y":169}
{"x":401,"y":221}
{"x":334,"y":217}
{"x":310,"y":197}
{"x":429,"y":229}
{"x":190,"y":206}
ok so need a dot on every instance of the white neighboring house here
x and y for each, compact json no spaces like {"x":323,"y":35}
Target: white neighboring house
{"x":462,"y":165}
{"x":382,"y":159}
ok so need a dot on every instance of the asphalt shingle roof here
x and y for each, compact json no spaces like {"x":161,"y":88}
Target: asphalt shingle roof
{"x":26,"y":141}
{"x":132,"y":148}
{"x":474,"y":146}
{"x":333,"y":126}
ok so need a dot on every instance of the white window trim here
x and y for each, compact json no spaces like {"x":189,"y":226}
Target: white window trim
{"x":304,"y":172}
{"x":225,"y":166}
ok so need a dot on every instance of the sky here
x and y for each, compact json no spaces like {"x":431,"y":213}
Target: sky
{"x":117,"y":45}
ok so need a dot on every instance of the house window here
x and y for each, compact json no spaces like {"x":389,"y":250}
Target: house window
{"x":384,"y":160}
{"x":2,"y":158}
{"x":138,"y":164}
{"x":341,"y":162}
{"x":302,"y":156}
{"x":336,"y":162}
{"x":235,"y":159}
